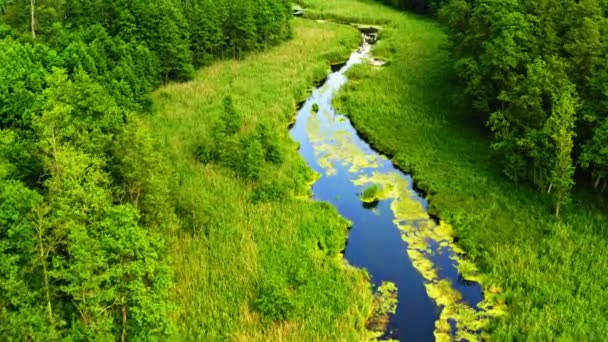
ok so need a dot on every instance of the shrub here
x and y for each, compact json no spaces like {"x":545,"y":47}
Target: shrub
{"x":274,"y":301}
{"x":252,"y":158}
{"x":371,"y":194}
{"x":270,"y":142}
{"x":269,"y":191}
{"x":231,"y":118}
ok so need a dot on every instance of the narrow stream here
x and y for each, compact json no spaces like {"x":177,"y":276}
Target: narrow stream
{"x":394,"y":240}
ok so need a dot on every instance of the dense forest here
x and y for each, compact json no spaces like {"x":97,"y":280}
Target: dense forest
{"x":82,"y":185}
{"x":537,"y":71}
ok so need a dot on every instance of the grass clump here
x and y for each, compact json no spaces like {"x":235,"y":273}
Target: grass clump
{"x":371,"y":194}
{"x":274,"y":301}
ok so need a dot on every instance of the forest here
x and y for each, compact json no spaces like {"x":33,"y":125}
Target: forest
{"x":537,"y":72}
{"x":149,"y":190}
{"x":82,"y":183}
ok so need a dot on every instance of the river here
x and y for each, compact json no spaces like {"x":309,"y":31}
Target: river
{"x":395,"y":239}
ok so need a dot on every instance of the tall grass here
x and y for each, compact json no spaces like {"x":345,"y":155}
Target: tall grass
{"x":552,"y":274}
{"x":241,"y":259}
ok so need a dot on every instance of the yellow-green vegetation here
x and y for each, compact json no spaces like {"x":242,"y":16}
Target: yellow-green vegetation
{"x":419,"y":231}
{"x":385,"y":304}
{"x":340,"y":149}
{"x":550,"y":273}
{"x":372,"y":194}
{"x":257,"y":261}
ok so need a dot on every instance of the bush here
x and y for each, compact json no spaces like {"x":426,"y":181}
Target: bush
{"x":274,"y":301}
{"x":270,"y":191}
{"x":252,"y":158}
{"x":231,"y":119}
{"x":371,"y":194}
{"x":270,"y":142}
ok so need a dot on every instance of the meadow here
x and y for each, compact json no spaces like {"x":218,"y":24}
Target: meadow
{"x":550,"y":272}
{"x":257,"y":259}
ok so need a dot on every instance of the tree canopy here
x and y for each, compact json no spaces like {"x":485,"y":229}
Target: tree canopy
{"x":84,"y":199}
{"x":539,"y":71}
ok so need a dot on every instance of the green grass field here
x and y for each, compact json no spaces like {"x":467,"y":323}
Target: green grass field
{"x":240,"y":252}
{"x":552,"y":274}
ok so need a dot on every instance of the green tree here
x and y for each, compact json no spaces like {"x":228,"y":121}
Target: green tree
{"x":560,"y":127}
{"x":595,"y":155}
{"x":232,"y":119}
{"x":25,"y":290}
{"x":252,"y":161}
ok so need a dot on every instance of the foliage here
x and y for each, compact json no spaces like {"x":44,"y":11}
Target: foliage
{"x":274,"y":301}
{"x":86,"y":194}
{"x":371,"y":194}
{"x":273,"y":152}
{"x":178,"y":33}
{"x":253,"y":157}
{"x":522,"y":62}
{"x":270,"y":190}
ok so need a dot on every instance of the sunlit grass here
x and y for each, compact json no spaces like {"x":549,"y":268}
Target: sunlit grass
{"x":232,"y":246}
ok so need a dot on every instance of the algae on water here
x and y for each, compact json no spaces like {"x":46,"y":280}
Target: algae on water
{"x":385,"y":304}
{"x":335,"y":146}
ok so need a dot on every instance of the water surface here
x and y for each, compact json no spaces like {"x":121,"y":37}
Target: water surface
{"x":395,"y":240}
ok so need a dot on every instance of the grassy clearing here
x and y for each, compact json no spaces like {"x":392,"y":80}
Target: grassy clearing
{"x":552,"y":274}
{"x":256,"y":261}
{"x":345,"y":11}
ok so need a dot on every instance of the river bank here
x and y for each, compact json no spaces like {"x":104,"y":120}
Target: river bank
{"x":392,"y":236}
{"x":538,"y":266}
{"x":256,"y":261}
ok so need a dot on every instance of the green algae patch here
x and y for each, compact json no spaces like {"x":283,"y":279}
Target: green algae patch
{"x":418,"y":230}
{"x":385,"y":305}
{"x":336,"y":147}
{"x":372,"y":194}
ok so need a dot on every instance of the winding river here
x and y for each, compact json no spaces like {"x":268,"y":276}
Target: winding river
{"x":395,"y":240}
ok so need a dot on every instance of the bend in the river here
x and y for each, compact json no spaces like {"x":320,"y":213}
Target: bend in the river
{"x":395,"y":239}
